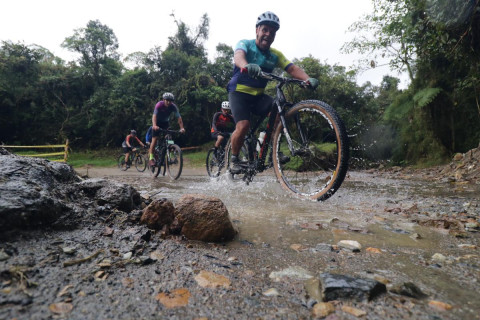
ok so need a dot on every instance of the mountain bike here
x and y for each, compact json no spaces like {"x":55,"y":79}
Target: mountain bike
{"x":308,"y":142}
{"x":168,"y":156}
{"x":139,"y":159}
{"x":215,"y":161}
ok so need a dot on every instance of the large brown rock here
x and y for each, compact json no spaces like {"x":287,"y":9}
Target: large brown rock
{"x":158,"y":214}
{"x":204,"y":218}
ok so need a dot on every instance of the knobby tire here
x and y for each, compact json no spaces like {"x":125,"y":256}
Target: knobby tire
{"x":156,"y":169}
{"x":121,"y":162}
{"x":318,"y":170}
{"x":140,"y":163}
{"x":214,"y":165}
{"x":174,"y":161}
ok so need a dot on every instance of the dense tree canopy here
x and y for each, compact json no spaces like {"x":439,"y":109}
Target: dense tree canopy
{"x":438,"y":43}
{"x":95,"y":100}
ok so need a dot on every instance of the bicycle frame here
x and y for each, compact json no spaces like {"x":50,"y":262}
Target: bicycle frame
{"x":167,"y":155}
{"x":162,"y":146}
{"x":257,"y":162}
{"x":309,"y":146}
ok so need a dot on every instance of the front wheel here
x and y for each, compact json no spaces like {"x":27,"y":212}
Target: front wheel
{"x":214,"y":164}
{"x":140,"y":163}
{"x":319,"y":163}
{"x":174,"y":161}
{"x":155,"y":169}
{"x":122,"y":165}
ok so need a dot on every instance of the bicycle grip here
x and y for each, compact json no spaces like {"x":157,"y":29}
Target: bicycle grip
{"x":244,"y":70}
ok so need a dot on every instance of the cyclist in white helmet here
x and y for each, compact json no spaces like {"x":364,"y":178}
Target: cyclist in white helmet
{"x":222,"y":126}
{"x":245,"y":90}
{"x":160,"y":119}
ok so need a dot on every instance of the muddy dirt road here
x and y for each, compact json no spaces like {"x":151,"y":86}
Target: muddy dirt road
{"x":412,"y":232}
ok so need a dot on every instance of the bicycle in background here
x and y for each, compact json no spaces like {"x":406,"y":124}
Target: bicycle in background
{"x":136,"y":157}
{"x":168,"y":156}
{"x":215,"y":161}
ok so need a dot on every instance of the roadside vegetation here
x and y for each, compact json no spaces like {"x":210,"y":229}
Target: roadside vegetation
{"x":108,"y":157}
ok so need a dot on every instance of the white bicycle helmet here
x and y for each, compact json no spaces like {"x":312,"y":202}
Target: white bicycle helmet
{"x":168,"y":96}
{"x":269,"y":18}
{"x":226,"y":105}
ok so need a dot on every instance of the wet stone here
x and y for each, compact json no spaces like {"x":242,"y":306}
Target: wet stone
{"x":204,"y":218}
{"x":341,"y":287}
{"x":322,"y":247}
{"x":439,"y":257}
{"x":295,"y":272}
{"x":408,"y":289}
{"x":158,"y":214}
{"x":351,"y":245}
{"x":37,"y":193}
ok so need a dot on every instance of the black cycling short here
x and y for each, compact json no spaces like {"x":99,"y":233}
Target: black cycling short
{"x":162,"y":125}
{"x":127,"y":149}
{"x":243,"y":105}
{"x":217,"y":133}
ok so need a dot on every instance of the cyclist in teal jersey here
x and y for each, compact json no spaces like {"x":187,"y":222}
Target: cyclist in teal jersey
{"x":245,"y":90}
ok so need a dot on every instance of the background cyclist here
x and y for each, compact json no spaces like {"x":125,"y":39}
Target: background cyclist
{"x":246,"y":91}
{"x":222,"y":126}
{"x":129,"y":144}
{"x":148,"y":136}
{"x":160,"y":119}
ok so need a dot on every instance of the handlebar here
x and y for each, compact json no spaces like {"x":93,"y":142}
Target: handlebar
{"x":168,"y":130}
{"x":283,"y":80}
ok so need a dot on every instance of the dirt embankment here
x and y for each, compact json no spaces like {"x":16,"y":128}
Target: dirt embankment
{"x":463,"y":169}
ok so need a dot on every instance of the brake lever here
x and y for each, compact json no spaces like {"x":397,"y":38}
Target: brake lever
{"x":305,"y":84}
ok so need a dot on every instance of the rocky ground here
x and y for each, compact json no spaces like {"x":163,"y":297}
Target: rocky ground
{"x":106,"y":265}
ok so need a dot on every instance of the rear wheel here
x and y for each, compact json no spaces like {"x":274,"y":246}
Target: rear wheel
{"x":121,"y":162}
{"x":140,"y":163}
{"x":214,"y":165}
{"x":174,"y":161}
{"x":320,"y":162}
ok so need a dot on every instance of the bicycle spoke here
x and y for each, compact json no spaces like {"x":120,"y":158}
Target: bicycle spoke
{"x":121,"y":162}
{"x":242,"y":156}
{"x":318,"y":166}
{"x":215,"y":163}
{"x":140,"y":163}
{"x":174,"y":161}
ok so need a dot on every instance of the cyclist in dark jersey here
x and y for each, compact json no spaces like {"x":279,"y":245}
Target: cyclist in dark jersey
{"x":160,"y":119}
{"x":129,"y":144}
{"x":246,"y":91}
{"x":222,"y":125}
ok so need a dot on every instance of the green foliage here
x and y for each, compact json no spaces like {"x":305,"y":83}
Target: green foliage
{"x":97,"y":158}
{"x":197,"y":158}
{"x":95,"y":100}
{"x":438,"y":43}
{"x":424,"y":97}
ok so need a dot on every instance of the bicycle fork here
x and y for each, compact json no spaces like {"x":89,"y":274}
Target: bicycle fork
{"x":294,"y":151}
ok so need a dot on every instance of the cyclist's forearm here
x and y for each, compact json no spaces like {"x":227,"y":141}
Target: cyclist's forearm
{"x":240,"y":59}
{"x":297,"y":72}
{"x":180,"y":123}
{"x":154,"y":121}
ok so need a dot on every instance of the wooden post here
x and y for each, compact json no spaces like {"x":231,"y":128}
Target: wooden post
{"x":65,"y":156}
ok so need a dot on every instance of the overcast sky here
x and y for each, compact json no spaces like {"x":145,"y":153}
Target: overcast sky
{"x":307,"y":27}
